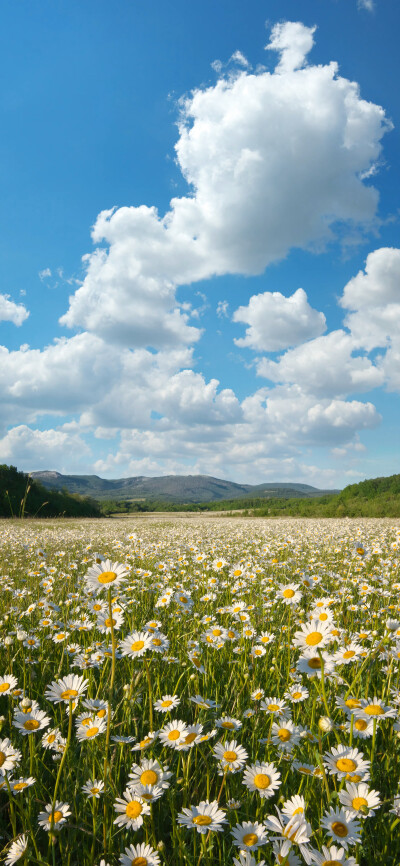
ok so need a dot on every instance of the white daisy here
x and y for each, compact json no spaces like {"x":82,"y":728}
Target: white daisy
{"x":16,"y":850}
{"x":342,"y":827}
{"x":105,"y":575}
{"x":262,"y":778}
{"x":29,"y":724}
{"x":173,"y":734}
{"x":92,"y":730}
{"x":131,"y":809}
{"x":332,"y":856}
{"x":230,"y":755}
{"x":359,"y":800}
{"x":344,"y":761}
{"x":149,"y":772}
{"x":50,"y":820}
{"x":166,"y":703}
{"x":136,"y":644}
{"x":67,"y":689}
{"x":7,"y":684}
{"x":204,"y":817}
{"x":140,"y":855}
{"x":248,"y":836}
{"x":93,"y":788}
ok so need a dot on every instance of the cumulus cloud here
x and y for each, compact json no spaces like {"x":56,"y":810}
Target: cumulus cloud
{"x":273,"y":161}
{"x":324,"y":366}
{"x":277,"y":322}
{"x":34,"y":449}
{"x":369,"y":5}
{"x":11,"y":312}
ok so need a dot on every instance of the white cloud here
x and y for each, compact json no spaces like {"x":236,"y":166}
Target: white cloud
{"x":222,"y":309}
{"x":46,"y":272}
{"x":369,"y":5}
{"x":273,"y":161}
{"x":293,"y":41}
{"x":325,"y":366}
{"x":11,"y":312}
{"x":43,"y":449}
{"x":277,"y":322}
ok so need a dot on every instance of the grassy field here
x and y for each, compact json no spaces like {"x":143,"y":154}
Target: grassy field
{"x":197,"y":690}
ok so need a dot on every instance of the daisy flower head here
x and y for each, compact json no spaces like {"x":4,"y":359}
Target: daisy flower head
{"x":16,"y":850}
{"x":374,"y":708}
{"x":310,"y":663}
{"x":136,"y":644}
{"x":204,"y":817}
{"x":274,"y":706}
{"x":359,"y":800}
{"x":106,"y":623}
{"x":93,"y":788}
{"x":285,"y":734}
{"x":149,"y":772}
{"x":332,"y":856}
{"x":50,"y":820}
{"x":29,"y":724}
{"x":173,"y":734}
{"x":230,"y":756}
{"x":69,"y":688}
{"x":297,"y":831}
{"x":290,"y":859}
{"x":289,"y":594}
{"x":19,"y":785}
{"x":131,"y":810}
{"x":9,"y":756}
{"x":262,"y":778}
{"x":247,"y":859}
{"x":140,"y":855}
{"x":228,"y":723}
{"x":312,"y":635}
{"x":7,"y":684}
{"x":296,"y":694}
{"x":343,"y":761}
{"x":105,"y":575}
{"x":166,"y":703}
{"x":91,"y":730}
{"x":248,"y":836}
{"x":146,"y":742}
{"x":342,"y":827}
{"x":295,"y":806}
{"x":193,"y":736}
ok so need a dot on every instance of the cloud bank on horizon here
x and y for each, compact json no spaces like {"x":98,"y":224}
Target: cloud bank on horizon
{"x":273,"y":161}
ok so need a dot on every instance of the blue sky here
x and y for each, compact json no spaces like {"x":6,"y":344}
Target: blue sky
{"x":199,"y":254}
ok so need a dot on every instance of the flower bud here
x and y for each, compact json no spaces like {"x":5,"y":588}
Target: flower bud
{"x":325,"y":724}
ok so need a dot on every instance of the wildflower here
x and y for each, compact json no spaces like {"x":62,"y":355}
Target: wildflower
{"x":296,"y":831}
{"x":166,"y":703}
{"x":17,"y":849}
{"x":50,"y":820}
{"x":289,"y":594}
{"x":296,"y":694}
{"x":139,"y":855}
{"x":374,"y":708}
{"x":204,"y":703}
{"x":92,"y":730}
{"x":332,"y":856}
{"x":247,"y":859}
{"x":359,"y":800}
{"x":66,"y":689}
{"x":173,"y":734}
{"x":131,"y":809}
{"x":146,"y":742}
{"x":9,"y":756}
{"x":93,"y":788}
{"x":19,"y":785}
{"x":285,"y":734}
{"x":230,"y":756}
{"x":228,"y":724}
{"x":262,"y":778}
{"x":7,"y":684}
{"x":273,"y":706}
{"x":149,"y":772}
{"x":342,"y":827}
{"x":313,"y":634}
{"x":105,"y":575}
{"x":310,"y":663}
{"x":343,"y":761}
{"x":248,"y":836}
{"x":28,"y":724}
{"x":204,"y":817}
{"x":136,"y":644}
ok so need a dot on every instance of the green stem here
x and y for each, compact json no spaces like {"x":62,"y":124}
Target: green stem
{"x":62,"y":762}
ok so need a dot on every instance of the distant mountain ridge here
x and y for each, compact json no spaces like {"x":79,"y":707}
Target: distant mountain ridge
{"x":172,"y":488}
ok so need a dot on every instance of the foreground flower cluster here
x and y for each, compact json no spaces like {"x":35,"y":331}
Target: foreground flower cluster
{"x":200,"y":691}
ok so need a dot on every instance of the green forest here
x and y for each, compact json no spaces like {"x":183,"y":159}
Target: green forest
{"x":21,"y":496}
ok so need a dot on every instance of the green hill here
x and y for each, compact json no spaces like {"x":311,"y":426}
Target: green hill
{"x":22,"y":496}
{"x":374,"y":497}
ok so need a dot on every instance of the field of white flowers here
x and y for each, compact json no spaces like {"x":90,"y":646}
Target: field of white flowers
{"x":200,"y":691}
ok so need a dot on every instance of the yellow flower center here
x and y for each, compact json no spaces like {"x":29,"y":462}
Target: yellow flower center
{"x":298,"y":811}
{"x":145,"y":742}
{"x":101,"y":713}
{"x":284,"y":735}
{"x":69,"y":694}
{"x":174,"y":735}
{"x":314,"y":663}
{"x":346,"y":765}
{"x":358,"y":802}
{"x":228,"y":725}
{"x":20,"y":786}
{"x":230,"y":756}
{"x":149,"y":777}
{"x":274,"y":708}
{"x":156,"y":641}
{"x":166,"y":703}
{"x":107,"y":577}
{"x":352,"y":703}
{"x":31,"y":725}
{"x":296,"y":695}
{"x":91,"y":732}
{"x":97,"y":607}
{"x":51,"y":738}
{"x":262,"y":781}
{"x":374,"y":710}
{"x":133,"y":809}
{"x":313,"y":638}
{"x":360,"y":724}
{"x":109,"y":622}
{"x":216,"y":632}
{"x":139,"y":861}
{"x":350,"y":778}
{"x":348,"y":654}
{"x":332,"y":863}
{"x":56,"y":816}
{"x":95,"y":790}
{"x":250,"y":839}
{"x":137,"y":645}
{"x":288,"y":593}
{"x":4,"y":687}
{"x":340,"y":829}
{"x":203,"y":820}
{"x":190,"y":738}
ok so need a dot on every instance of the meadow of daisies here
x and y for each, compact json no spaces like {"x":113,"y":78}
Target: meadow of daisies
{"x":200,"y":691}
